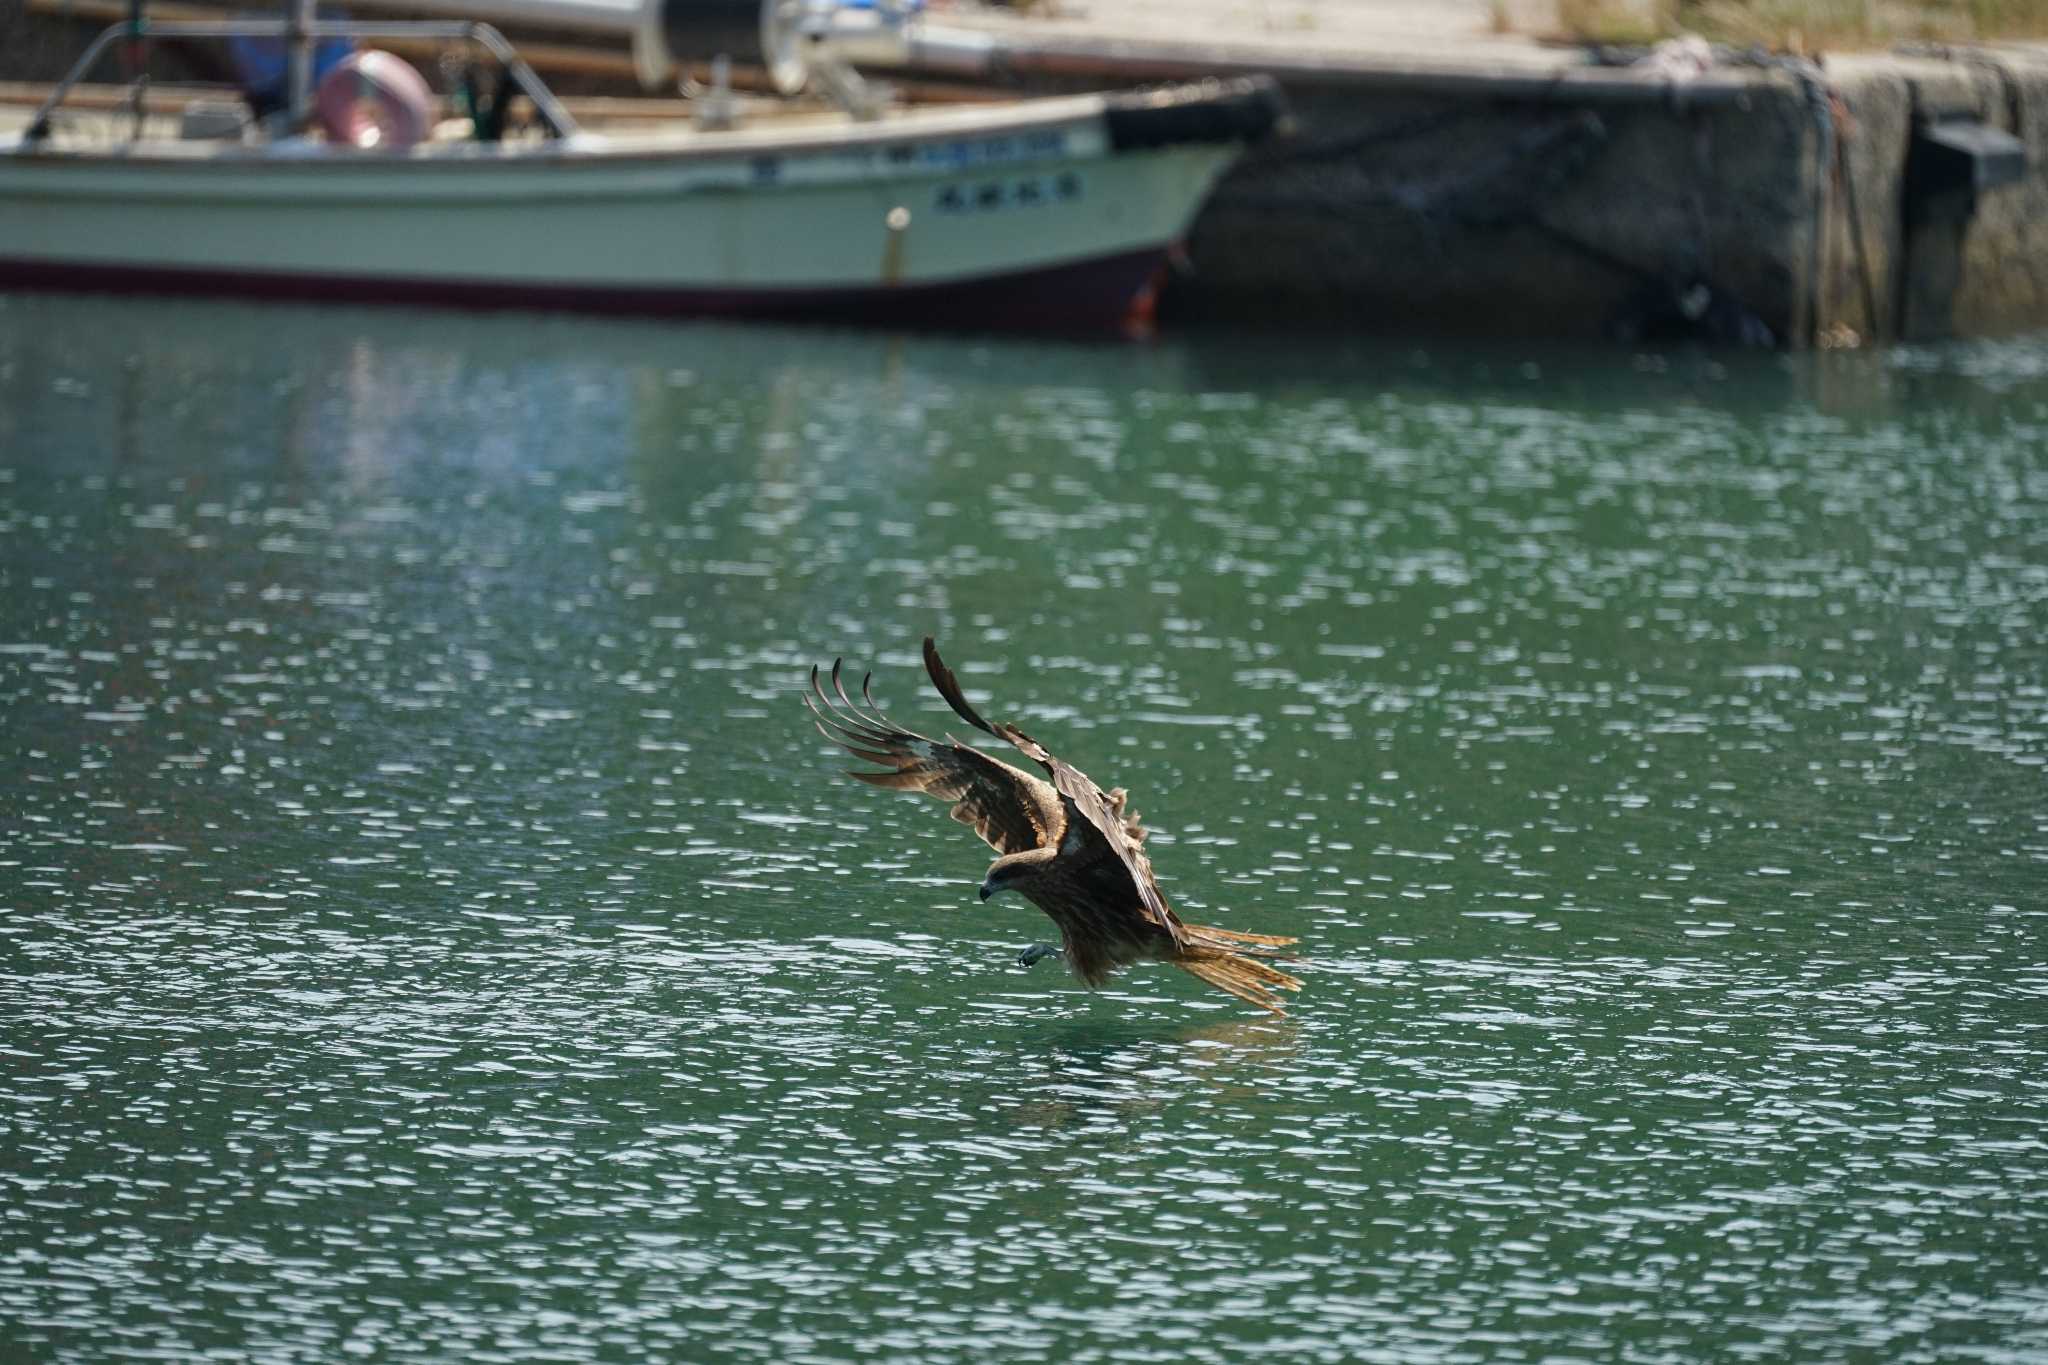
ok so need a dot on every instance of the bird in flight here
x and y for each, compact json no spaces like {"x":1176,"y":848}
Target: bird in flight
{"x":1068,"y":847}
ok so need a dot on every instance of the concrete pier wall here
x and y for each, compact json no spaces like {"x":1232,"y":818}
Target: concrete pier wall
{"x":1564,"y":215}
{"x":1749,"y":203}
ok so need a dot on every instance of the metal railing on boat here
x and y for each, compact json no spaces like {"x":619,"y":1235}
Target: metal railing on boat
{"x":556,"y":119}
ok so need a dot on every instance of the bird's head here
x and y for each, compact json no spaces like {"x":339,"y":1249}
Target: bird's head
{"x":1003,"y":877}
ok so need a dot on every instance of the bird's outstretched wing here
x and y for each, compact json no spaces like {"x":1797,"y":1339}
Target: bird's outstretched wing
{"x":1103,"y":810}
{"x":1008,"y":807}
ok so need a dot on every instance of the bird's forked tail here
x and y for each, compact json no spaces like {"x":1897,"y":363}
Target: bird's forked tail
{"x":1217,"y":956}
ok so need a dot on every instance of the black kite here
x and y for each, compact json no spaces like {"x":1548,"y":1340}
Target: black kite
{"x":1067,"y":846}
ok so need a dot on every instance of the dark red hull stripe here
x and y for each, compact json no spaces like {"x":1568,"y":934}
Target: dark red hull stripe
{"x":1095,"y":295}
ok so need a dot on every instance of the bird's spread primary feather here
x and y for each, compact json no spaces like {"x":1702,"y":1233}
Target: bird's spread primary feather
{"x":1069,"y":847}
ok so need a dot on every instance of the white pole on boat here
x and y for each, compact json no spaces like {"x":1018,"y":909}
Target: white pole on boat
{"x":298,"y":63}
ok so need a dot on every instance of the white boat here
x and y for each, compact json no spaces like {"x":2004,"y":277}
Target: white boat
{"x":1055,"y":212}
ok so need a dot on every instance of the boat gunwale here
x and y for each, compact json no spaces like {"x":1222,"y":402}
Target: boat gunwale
{"x":684,"y":145}
{"x":596,"y":147}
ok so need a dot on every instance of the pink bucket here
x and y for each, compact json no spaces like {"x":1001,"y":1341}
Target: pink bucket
{"x":374,"y":101}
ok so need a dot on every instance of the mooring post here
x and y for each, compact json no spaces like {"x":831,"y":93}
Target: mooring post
{"x":1954,"y":159}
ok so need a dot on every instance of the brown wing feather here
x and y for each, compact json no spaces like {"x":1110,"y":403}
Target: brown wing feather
{"x":1122,"y":833}
{"x":1009,"y":808}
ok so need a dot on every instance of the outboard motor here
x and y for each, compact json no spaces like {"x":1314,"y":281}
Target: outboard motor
{"x":763,"y":33}
{"x":797,"y":42}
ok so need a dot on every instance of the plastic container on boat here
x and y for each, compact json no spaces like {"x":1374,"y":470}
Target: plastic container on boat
{"x":374,"y":100}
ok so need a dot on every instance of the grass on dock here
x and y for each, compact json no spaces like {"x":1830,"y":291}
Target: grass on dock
{"x":1797,"y":25}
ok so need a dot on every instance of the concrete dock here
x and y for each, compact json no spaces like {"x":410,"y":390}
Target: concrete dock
{"x":1446,"y":177}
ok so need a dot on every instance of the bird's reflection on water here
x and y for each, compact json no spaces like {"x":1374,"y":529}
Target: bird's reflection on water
{"x":1090,"y":1068}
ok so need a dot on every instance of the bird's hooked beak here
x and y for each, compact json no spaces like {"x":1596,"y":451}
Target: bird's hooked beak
{"x":987,"y":890}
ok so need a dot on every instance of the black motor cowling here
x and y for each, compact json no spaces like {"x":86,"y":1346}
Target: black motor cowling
{"x":763,"y":33}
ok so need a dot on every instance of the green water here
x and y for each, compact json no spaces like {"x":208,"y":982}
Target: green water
{"x":429,"y":928}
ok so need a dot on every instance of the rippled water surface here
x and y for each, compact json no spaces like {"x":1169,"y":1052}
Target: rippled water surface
{"x":429,"y":927}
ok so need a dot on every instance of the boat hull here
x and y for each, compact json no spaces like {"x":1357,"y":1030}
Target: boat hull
{"x":1099,"y":294}
{"x":959,"y":218}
